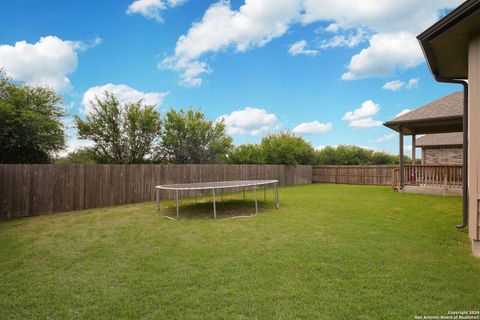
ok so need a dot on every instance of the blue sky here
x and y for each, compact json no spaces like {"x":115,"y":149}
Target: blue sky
{"x":266,"y":66}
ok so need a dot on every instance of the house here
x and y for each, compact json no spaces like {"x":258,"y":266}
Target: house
{"x":452,"y":50}
{"x":441,"y":148}
{"x":437,"y":122}
{"x":444,"y":115}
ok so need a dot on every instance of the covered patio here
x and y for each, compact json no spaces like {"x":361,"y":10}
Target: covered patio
{"x":444,"y":115}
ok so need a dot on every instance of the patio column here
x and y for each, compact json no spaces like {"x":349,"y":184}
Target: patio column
{"x":414,"y":148}
{"x":401,"y":158}
{"x":474,"y":140}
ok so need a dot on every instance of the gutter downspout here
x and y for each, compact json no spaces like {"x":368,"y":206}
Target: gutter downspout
{"x":465,"y":147}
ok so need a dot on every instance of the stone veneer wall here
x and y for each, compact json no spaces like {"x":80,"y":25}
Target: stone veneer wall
{"x":442,"y":155}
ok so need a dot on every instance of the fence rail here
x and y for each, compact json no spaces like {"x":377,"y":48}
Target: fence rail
{"x":446,"y":176}
{"x":27,"y":190}
{"x":364,"y":175}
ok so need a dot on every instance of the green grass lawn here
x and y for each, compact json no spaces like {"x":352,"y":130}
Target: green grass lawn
{"x":329,"y":252}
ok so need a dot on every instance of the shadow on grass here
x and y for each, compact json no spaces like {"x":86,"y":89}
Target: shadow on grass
{"x":203,"y":209}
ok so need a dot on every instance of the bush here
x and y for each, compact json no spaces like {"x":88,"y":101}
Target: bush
{"x":246,"y":154}
{"x":82,"y":155}
{"x":354,"y":155}
{"x":287,"y":148}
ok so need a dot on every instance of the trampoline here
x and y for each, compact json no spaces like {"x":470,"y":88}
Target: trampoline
{"x":214,"y":187}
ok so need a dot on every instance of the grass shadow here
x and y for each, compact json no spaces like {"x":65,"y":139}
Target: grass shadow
{"x":203,"y":208}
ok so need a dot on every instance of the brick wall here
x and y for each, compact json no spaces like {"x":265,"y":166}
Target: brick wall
{"x":442,"y":155}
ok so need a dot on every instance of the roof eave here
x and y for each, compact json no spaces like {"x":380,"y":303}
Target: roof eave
{"x":421,"y":121}
{"x":438,"y":145}
{"x":450,"y":20}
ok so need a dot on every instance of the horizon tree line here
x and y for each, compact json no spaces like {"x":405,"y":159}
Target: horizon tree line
{"x":32,"y":130}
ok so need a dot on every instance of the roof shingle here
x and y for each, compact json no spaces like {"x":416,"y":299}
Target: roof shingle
{"x":440,"y":139}
{"x":448,"y":106}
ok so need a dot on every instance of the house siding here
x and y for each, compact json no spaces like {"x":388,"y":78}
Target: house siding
{"x":442,"y":155}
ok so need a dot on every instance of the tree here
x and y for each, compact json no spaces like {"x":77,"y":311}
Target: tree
{"x":121,"y":134}
{"x":189,"y":137}
{"x":287,"y":148}
{"x":385,"y":158}
{"x":355,"y":155}
{"x":344,"y":155}
{"x":31,"y":128}
{"x":246,"y":154}
{"x":82,"y":155}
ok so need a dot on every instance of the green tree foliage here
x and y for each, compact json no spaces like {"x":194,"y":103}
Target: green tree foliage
{"x":354,"y":155}
{"x":31,"y":128}
{"x":287,"y":148}
{"x":344,"y":155}
{"x":122,"y":134}
{"x":246,"y":154}
{"x":82,"y":155}
{"x":189,"y":137}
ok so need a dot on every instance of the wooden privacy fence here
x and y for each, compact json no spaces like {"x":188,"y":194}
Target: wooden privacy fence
{"x":366,"y":175}
{"x":27,"y":190}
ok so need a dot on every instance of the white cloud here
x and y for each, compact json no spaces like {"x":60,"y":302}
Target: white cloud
{"x":254,"y":24}
{"x":413,"y":83}
{"x":152,"y":9}
{"x":74,"y":143}
{"x":394,"y":85}
{"x":46,"y":62}
{"x":365,"y":123}
{"x":314,"y":127}
{"x":252,"y":121}
{"x":386,"y":137}
{"x":300,"y":47}
{"x":333,"y":27}
{"x":123,"y":93}
{"x":378,"y":15}
{"x":404,"y":111}
{"x":363,"y":117}
{"x":368,"y":108}
{"x":174,"y":3}
{"x":393,"y":24}
{"x":191,"y":70}
{"x":387,"y":53}
{"x":348,"y":39}
{"x":86,"y":45}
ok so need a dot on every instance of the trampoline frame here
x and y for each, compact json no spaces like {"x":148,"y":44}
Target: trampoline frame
{"x":218,"y":185}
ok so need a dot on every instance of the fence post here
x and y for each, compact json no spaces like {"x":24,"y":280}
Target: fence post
{"x":445,"y":178}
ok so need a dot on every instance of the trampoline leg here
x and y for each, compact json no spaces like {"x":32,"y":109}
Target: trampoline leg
{"x":256,"y":202}
{"x":158,"y":200}
{"x":176,"y":197}
{"x":244,"y":193}
{"x":264,"y":196}
{"x":277,"y":202}
{"x":214,"y":205}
